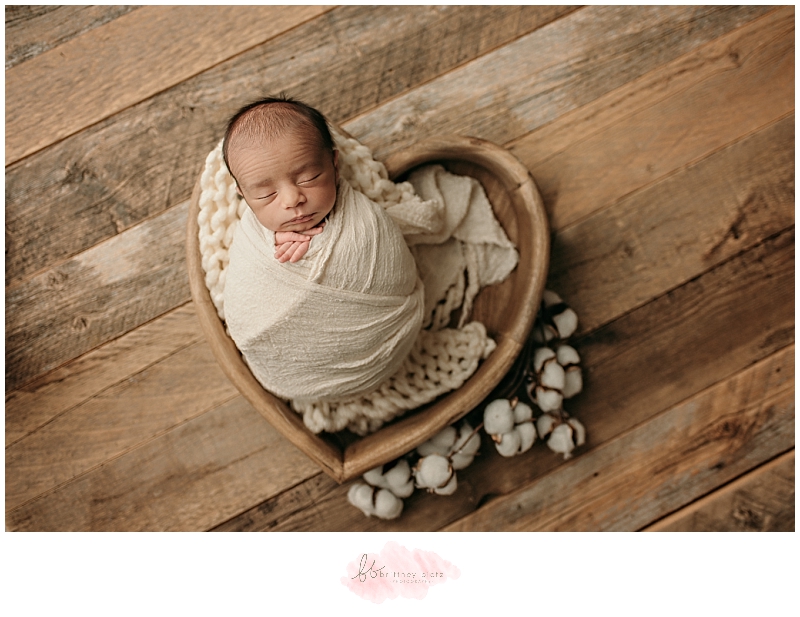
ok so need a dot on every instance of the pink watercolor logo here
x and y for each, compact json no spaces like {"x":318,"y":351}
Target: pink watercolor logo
{"x":397,"y":571}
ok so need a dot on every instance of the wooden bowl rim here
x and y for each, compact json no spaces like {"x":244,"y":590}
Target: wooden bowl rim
{"x":403,"y":435}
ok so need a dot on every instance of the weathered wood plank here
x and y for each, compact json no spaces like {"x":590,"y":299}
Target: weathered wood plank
{"x":72,"y":384}
{"x":190,"y":478}
{"x":663,"y":464}
{"x":762,"y":500}
{"x":122,"y":417}
{"x":96,"y":296}
{"x":127,"y":60}
{"x":635,"y":367}
{"x":560,"y":67}
{"x":720,"y":55}
{"x":32,"y":30}
{"x":662,"y":236}
{"x":729,"y":328}
{"x":667,"y":119}
{"x":146,"y":159}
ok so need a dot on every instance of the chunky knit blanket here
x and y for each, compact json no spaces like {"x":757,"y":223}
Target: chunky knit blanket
{"x":358,"y":381}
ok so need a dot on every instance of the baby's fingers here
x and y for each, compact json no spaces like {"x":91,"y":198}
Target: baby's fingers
{"x":292,"y":251}
{"x":282,"y":237}
{"x":314,"y":230}
{"x":298,"y":252}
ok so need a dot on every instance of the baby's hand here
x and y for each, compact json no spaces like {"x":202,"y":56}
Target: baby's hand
{"x":291,"y":245}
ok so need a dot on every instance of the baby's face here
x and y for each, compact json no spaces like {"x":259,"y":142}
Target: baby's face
{"x":289,"y":182}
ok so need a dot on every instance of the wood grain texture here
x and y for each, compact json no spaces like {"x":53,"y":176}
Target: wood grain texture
{"x":146,"y":159}
{"x":560,"y":67}
{"x":32,"y":30}
{"x":127,"y":60}
{"x":653,"y":469}
{"x":635,"y":367}
{"x":219,"y":464}
{"x":721,"y":55}
{"x":679,"y":114}
{"x":120,"y":418}
{"x":60,"y":390}
{"x":690,"y":337}
{"x":761,"y":500}
{"x":95,"y":297}
{"x":664,"y":235}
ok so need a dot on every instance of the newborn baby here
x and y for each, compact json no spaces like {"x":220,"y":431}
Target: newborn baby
{"x":322,"y":295}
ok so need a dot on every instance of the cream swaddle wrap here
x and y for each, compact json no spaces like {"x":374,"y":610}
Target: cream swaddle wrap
{"x":337,"y":323}
{"x":457,"y":244}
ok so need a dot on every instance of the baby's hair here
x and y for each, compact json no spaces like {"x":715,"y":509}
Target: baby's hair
{"x":271,"y":117}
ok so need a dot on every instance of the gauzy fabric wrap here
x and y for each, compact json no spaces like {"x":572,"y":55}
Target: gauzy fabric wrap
{"x":337,"y":323}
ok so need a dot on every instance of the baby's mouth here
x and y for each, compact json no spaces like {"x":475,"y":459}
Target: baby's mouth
{"x":302,"y":219}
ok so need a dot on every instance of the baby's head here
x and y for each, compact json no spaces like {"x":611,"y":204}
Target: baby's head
{"x":282,"y":156}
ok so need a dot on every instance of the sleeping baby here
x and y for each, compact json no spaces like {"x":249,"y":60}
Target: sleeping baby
{"x":340,"y":304}
{"x":322,"y":295}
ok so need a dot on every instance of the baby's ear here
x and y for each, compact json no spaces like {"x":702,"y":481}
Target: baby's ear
{"x":238,"y":190}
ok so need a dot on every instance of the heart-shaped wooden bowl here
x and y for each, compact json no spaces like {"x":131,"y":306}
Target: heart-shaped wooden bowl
{"x":507,"y":310}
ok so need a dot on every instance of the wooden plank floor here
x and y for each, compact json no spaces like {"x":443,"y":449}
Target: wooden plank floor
{"x":662,"y":140}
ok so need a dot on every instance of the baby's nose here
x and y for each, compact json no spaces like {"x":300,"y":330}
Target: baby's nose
{"x":293,"y":197}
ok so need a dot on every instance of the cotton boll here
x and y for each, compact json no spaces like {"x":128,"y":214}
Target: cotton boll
{"x":567,"y":355}
{"x":550,"y":298}
{"x":579,"y":435}
{"x":441,"y":443}
{"x":398,"y":474}
{"x":387,"y":505}
{"x":360,"y":495}
{"x":498,"y":417}
{"x":552,"y":375}
{"x":540,"y":356}
{"x":399,"y":480}
{"x":548,"y":400}
{"x":566,"y":323}
{"x":522,"y":413}
{"x":461,"y":460}
{"x":433,"y":471}
{"x":527,"y":435}
{"x":561,"y":440}
{"x":465,"y":448}
{"x":545,"y":424}
{"x":449,"y":488}
{"x":573,"y":381}
{"x":403,"y":490}
{"x":375,"y":477}
{"x":468,"y":441}
{"x":508,"y":444}
{"x":427,"y":448}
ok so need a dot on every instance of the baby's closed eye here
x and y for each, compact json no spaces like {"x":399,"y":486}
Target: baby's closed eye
{"x":307,"y":180}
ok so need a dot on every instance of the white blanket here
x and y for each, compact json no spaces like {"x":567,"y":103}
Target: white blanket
{"x":337,"y":323}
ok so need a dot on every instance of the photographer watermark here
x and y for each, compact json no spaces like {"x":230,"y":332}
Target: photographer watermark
{"x":397,"y":572}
